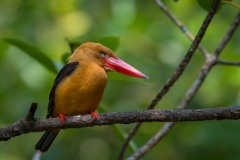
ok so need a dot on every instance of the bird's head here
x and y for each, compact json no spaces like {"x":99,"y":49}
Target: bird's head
{"x":97,"y":53}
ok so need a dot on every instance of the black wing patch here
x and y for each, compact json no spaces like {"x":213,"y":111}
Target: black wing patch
{"x":63,"y":73}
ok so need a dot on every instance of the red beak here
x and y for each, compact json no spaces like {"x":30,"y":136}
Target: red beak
{"x":118,"y":65}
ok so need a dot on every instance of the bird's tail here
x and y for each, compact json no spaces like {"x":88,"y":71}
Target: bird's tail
{"x":46,"y":140}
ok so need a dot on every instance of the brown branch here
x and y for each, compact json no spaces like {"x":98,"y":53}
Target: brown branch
{"x":26,"y":126}
{"x":211,"y":60}
{"x":178,"y":72}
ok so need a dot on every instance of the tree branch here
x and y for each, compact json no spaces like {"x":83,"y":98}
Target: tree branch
{"x":210,"y":61}
{"x":179,"y":115}
{"x":178,"y":72}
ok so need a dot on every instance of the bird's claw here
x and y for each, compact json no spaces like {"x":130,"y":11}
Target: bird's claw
{"x":94,"y":115}
{"x":62,"y":118}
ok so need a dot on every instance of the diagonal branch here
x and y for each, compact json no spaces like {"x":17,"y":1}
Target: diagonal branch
{"x":26,"y":126}
{"x":228,"y":35}
{"x":178,"y":72}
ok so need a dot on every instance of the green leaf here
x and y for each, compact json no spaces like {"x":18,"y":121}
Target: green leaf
{"x":3,"y":49}
{"x":65,"y":58}
{"x":111,"y":42}
{"x":206,"y":4}
{"x":33,"y":52}
{"x":73,"y":45}
{"x":122,"y":136}
{"x":120,"y":133}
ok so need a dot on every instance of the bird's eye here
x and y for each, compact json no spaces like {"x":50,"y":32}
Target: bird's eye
{"x":102,"y":55}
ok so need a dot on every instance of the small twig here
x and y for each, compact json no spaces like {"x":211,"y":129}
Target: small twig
{"x":175,"y":76}
{"x":180,"y":25}
{"x":31,"y":112}
{"x":228,"y":35}
{"x":227,"y":63}
{"x":219,"y":113}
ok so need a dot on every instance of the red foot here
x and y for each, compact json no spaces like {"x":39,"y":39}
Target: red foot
{"x":62,"y":118}
{"x":94,"y":115}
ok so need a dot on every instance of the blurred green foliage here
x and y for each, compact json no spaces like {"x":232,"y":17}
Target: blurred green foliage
{"x":147,"y":40}
{"x":33,"y":52}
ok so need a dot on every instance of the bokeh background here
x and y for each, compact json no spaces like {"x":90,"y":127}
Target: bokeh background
{"x":147,"y":40}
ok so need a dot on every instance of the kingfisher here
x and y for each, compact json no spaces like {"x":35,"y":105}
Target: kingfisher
{"x":79,"y":85}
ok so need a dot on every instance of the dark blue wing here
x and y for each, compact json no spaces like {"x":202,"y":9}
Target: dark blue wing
{"x":66,"y":71}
